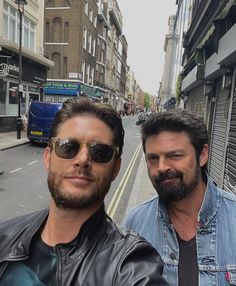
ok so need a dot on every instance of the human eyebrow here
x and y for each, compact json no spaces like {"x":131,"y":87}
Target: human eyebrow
{"x":151,"y":156}
{"x":175,"y":153}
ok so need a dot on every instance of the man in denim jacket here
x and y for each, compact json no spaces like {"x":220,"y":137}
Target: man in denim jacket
{"x":192,"y":222}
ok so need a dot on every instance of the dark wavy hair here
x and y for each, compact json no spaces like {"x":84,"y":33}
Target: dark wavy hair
{"x":76,"y":106}
{"x":177,"y":121}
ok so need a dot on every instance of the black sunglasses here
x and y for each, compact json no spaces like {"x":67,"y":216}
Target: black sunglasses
{"x":67,"y":148}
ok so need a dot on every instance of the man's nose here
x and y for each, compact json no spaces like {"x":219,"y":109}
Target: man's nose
{"x":163,"y":165}
{"x":82,"y":157}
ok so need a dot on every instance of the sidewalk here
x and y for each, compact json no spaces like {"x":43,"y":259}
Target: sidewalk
{"x":8,"y":140}
{"x":142,"y":189}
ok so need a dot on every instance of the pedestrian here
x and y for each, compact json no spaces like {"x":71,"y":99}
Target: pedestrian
{"x":191,"y":222}
{"x":74,"y":242}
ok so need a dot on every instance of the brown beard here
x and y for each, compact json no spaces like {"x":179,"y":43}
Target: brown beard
{"x":175,"y":191}
{"x":65,"y":200}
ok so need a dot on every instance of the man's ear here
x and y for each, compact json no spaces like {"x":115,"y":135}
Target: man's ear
{"x":47,"y":157}
{"x":116,"y":168}
{"x":204,"y":155}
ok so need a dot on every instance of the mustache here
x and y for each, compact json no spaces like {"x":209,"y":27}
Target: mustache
{"x":168,"y":175}
{"x":79,"y":172}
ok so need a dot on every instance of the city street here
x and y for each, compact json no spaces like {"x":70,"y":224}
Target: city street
{"x":23,"y":186}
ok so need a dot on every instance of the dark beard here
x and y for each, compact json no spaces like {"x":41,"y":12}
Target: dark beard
{"x":176,"y":190}
{"x":64,"y":200}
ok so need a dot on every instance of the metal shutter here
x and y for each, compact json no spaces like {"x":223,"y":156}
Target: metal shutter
{"x":230,"y":167}
{"x":218,"y":137}
{"x":197,"y":102}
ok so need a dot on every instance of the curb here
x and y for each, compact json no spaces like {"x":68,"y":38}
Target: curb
{"x":13,"y":145}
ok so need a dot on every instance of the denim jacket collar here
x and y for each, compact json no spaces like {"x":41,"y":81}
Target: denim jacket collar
{"x":210,"y":205}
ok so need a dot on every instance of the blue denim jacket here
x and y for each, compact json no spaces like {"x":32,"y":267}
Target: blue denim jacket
{"x":215,"y":239}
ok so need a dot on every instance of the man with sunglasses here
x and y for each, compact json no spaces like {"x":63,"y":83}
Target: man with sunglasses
{"x":74,"y":242}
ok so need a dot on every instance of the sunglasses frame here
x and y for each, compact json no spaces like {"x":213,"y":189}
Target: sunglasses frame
{"x":53,"y":140}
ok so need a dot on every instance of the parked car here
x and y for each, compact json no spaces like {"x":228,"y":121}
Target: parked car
{"x":40,"y":117}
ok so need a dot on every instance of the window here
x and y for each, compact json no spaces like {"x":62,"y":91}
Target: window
{"x":57,"y":30}
{"x":95,"y":21}
{"x":11,"y":23}
{"x":66,"y":32}
{"x":94,"y":47}
{"x":56,"y":70}
{"x":90,"y":43}
{"x":91,"y":15}
{"x":92,"y":76}
{"x":12,"y":93}
{"x":84,"y":37}
{"x":67,"y":3}
{"x":47,"y":27}
{"x":3,"y":90}
{"x":103,"y":53}
{"x":49,"y":3}
{"x":86,"y":7}
{"x":83,"y":71}
{"x":65,"y":67}
{"x":87,"y":73}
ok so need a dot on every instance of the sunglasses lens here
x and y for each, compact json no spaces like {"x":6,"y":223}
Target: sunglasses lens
{"x":101,"y":153}
{"x":66,"y":148}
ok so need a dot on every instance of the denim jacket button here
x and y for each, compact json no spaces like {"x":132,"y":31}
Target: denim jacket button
{"x":172,"y":256}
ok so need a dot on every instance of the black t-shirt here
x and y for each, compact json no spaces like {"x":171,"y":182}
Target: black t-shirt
{"x":38,"y":270}
{"x":188,"y":266}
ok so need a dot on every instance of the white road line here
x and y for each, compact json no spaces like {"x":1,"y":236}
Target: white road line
{"x":120,"y":190}
{"x":18,"y":169}
{"x":31,"y":163}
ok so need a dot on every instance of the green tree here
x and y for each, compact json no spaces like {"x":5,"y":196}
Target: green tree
{"x":147,"y":100}
{"x":178,"y":88}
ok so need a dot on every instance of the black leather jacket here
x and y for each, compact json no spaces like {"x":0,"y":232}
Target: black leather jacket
{"x":103,"y":255}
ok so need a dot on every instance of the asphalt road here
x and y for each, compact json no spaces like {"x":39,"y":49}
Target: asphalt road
{"x":23,"y":186}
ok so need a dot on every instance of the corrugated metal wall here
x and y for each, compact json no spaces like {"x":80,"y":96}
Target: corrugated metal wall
{"x":197,"y":102}
{"x":218,"y":136}
{"x":230,"y":167}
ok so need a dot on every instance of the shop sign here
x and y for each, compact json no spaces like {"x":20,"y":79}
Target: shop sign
{"x":6,"y":69}
{"x":64,"y":88}
{"x":87,"y":90}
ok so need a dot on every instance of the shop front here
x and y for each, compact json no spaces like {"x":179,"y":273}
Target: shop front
{"x":33,"y":77}
{"x":61,"y":90}
{"x":91,"y":92}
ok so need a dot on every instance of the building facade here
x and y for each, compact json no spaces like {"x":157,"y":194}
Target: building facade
{"x":70,"y":42}
{"x":84,"y":40}
{"x":34,"y":64}
{"x":168,"y":88}
{"x":209,"y":81}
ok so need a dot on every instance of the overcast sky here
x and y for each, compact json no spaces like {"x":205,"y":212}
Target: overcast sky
{"x":145,"y":24}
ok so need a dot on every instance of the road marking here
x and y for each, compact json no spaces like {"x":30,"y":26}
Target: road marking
{"x":31,"y":163}
{"x":120,"y":190}
{"x":18,"y":169}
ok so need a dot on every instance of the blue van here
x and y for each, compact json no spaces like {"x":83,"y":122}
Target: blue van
{"x":40,"y":117}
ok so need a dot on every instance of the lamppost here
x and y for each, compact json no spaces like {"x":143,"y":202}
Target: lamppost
{"x":21,"y":4}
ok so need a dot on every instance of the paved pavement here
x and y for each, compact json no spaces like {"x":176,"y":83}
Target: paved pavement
{"x":8,"y":140}
{"x":142,"y":189}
